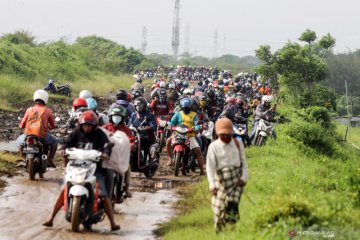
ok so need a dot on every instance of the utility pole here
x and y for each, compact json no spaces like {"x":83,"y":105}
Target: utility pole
{"x":216,"y":43}
{"x":187,"y":38}
{"x":347,"y":107}
{"x":176,"y":30}
{"x":144,"y":41}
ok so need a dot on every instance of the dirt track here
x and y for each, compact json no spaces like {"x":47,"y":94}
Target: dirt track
{"x":25,"y":205}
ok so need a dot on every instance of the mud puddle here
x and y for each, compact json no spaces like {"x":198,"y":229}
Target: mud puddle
{"x":25,"y":205}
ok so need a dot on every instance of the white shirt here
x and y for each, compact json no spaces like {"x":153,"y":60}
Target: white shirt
{"x":222,"y":155}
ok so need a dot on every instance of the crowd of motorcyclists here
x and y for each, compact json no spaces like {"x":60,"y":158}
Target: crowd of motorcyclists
{"x":177,"y":114}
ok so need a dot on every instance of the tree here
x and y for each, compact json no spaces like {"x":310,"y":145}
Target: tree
{"x":20,"y":37}
{"x":299,"y":67}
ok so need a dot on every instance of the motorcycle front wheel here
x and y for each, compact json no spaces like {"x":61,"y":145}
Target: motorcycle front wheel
{"x":75,"y":213}
{"x":178,"y":156}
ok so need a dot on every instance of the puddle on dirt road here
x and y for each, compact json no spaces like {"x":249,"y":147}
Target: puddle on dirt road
{"x":25,"y":205}
{"x":8,"y":146}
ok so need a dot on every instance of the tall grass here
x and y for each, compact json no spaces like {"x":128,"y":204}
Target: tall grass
{"x":291,"y":187}
{"x":15,"y":90}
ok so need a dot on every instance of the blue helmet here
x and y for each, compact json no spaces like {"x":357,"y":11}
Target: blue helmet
{"x":91,"y":103}
{"x":185,"y":84}
{"x":185,"y":103}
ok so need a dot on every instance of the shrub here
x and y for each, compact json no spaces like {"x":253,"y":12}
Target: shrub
{"x":319,"y":115}
{"x":312,"y":135}
{"x":290,"y":209}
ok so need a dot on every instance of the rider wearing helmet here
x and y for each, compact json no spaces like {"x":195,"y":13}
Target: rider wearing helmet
{"x":172,"y":94}
{"x":145,"y":122}
{"x":85,"y":94}
{"x":136,"y":93}
{"x":160,"y":106}
{"x":102,"y":118}
{"x":79,"y":105}
{"x":88,"y":134}
{"x":39,"y":127}
{"x":117,"y":117}
{"x":122,"y":99}
{"x":264,"y":111}
{"x":190,"y":119}
{"x":154,"y":93}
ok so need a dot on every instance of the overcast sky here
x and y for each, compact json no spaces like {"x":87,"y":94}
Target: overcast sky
{"x":243,"y":24}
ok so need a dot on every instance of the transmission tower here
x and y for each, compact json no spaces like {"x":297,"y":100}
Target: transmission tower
{"x":187,"y":38}
{"x":176,"y":30}
{"x":223,"y":44}
{"x":144,"y":41}
{"x":216,"y":43}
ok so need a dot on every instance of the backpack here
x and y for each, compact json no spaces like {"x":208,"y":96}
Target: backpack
{"x":34,"y":124}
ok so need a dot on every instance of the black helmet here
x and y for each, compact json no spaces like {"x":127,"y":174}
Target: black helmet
{"x":136,"y":93}
{"x":139,"y":80}
{"x":140,"y":104}
{"x":162,"y":95}
{"x":121,"y":94}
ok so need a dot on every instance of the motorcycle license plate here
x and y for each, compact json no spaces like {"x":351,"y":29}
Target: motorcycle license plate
{"x":31,"y":150}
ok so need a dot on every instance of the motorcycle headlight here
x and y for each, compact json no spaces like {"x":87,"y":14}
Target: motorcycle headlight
{"x":79,"y":175}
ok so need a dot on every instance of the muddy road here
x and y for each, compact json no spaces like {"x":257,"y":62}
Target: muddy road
{"x":25,"y":205}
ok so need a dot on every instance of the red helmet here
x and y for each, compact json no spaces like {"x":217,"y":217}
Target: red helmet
{"x":88,"y":117}
{"x":79,"y":102}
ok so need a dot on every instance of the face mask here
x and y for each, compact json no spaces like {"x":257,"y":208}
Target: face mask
{"x":225,"y":138}
{"x":116,"y":119}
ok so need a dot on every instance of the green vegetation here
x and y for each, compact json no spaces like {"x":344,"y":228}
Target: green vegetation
{"x":298,"y":68}
{"x":92,"y":62}
{"x":292,"y":186}
{"x":308,"y":179}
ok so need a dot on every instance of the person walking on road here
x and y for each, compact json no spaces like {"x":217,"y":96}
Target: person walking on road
{"x":227,"y":173}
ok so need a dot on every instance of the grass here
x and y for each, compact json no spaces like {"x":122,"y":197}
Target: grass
{"x":353,"y":135}
{"x":291,"y":187}
{"x":15,"y":91}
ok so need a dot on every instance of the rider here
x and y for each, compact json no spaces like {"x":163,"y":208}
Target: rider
{"x":79,"y":105}
{"x":117,"y":117}
{"x":263,"y":111}
{"x":122,"y":99}
{"x":102,"y":118}
{"x":38,"y":120}
{"x":85,"y":94}
{"x":142,"y":118}
{"x":88,"y":133}
{"x":190,"y":119}
{"x":161,"y":107}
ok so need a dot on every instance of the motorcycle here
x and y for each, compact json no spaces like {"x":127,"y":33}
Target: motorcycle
{"x":141,"y":163}
{"x":81,"y":193}
{"x":161,"y":133}
{"x":35,"y":156}
{"x":181,"y":146}
{"x":61,"y":89}
{"x":240,"y":129}
{"x":263,"y":131}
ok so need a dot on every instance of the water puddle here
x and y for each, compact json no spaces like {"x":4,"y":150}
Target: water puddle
{"x":8,"y":146}
{"x":29,"y":203}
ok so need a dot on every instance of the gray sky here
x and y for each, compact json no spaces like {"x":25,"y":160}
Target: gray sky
{"x":245,"y":23}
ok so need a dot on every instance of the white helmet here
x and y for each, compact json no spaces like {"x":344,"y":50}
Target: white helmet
{"x":171,"y":85}
{"x":51,"y":81}
{"x":41,"y":95}
{"x":266,"y":98}
{"x":85,"y":94}
{"x":187,"y":91}
{"x":162,"y":84}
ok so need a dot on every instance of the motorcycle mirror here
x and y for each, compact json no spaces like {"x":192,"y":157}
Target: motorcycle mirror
{"x":109,"y":145}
